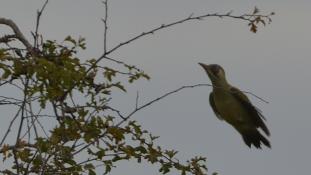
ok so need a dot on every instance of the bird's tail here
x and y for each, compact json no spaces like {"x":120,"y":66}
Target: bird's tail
{"x":255,"y":138}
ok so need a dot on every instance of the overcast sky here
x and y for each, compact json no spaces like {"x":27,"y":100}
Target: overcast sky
{"x":274,"y":64}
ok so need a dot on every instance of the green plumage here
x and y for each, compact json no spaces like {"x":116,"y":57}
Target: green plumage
{"x":233,"y":106}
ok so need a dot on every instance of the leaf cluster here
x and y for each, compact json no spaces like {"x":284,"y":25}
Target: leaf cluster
{"x":52,"y":78}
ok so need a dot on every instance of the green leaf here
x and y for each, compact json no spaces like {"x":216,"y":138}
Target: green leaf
{"x":171,"y":153}
{"x":120,"y":86}
{"x":165,"y":168}
{"x":108,"y":166}
{"x":153,"y":155}
{"x":141,"y":149}
{"x":109,"y":73}
{"x":101,"y":153}
{"x":6,"y":73}
{"x":70,"y":39}
{"x":117,"y":133}
{"x":91,"y":172}
{"x":42,"y":144}
{"x":89,"y":166}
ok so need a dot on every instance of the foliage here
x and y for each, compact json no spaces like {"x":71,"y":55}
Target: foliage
{"x":54,"y":85}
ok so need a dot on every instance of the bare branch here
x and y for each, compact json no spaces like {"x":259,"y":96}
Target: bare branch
{"x":160,"y":98}
{"x":10,"y":126}
{"x":260,"y":98}
{"x":105,"y":20}
{"x":19,"y":35}
{"x":115,"y":110}
{"x":39,"y":13}
{"x":23,"y":111}
{"x":246,"y":17}
{"x":136,"y":101}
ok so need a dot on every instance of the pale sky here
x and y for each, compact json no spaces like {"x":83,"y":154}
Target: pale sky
{"x":273,"y":64}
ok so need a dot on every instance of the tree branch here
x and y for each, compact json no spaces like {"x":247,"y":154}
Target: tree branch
{"x":19,"y":35}
{"x":105,"y":19}
{"x":39,"y":13}
{"x":160,"y":98}
{"x":246,"y":17}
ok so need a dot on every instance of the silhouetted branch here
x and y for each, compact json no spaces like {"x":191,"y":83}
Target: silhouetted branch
{"x":39,"y":13}
{"x":105,"y":20}
{"x":10,"y":126}
{"x":158,"y":99}
{"x":260,"y":98}
{"x":136,"y":101}
{"x":251,"y":18}
{"x":19,"y":35}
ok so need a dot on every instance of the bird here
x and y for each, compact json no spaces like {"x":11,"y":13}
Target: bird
{"x":231,"y":105}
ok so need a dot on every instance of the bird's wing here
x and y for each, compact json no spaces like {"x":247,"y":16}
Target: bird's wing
{"x":212,"y":103}
{"x":255,"y":114}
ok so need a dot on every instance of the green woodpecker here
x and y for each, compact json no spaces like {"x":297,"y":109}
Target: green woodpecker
{"x":233,"y":106}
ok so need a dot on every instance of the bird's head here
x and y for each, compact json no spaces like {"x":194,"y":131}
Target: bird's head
{"x":215,"y":72}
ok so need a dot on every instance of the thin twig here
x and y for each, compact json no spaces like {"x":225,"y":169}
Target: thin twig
{"x":158,"y":99}
{"x":23,"y":111}
{"x":10,"y":126}
{"x":245,"y":17}
{"x":191,"y":17}
{"x":105,"y":20}
{"x":260,"y":98}
{"x":33,"y":120}
{"x":115,"y":110}
{"x":39,"y":13}
{"x":136,"y":101}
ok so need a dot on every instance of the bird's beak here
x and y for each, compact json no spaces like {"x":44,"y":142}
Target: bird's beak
{"x":202,"y":64}
{"x":205,"y":67}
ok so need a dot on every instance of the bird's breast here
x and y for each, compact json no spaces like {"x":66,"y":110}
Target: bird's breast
{"x":229,"y":107}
